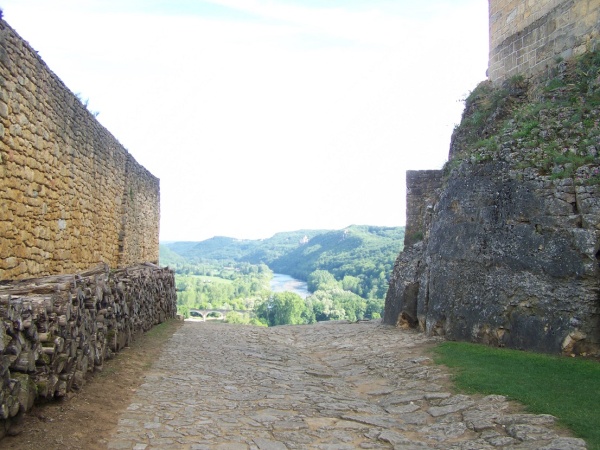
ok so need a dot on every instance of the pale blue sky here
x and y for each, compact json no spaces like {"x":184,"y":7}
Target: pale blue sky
{"x":262,"y":116}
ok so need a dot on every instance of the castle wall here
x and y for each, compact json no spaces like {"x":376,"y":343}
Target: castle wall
{"x":71,"y":195}
{"x":527,"y":36}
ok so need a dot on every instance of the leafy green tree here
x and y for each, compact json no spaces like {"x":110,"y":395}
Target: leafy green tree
{"x":320,"y":311}
{"x":236,"y":317}
{"x":257,"y":322}
{"x":308,"y":315}
{"x":350,"y":283}
{"x":374,"y":308}
{"x":184,"y":311}
{"x":284,"y":308}
{"x":363,"y":253}
{"x":321,"y":280}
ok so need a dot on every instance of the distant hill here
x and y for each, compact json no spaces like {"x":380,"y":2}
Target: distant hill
{"x":218,"y":248}
{"x":362,"y":251}
{"x":257,"y":251}
{"x":168,"y":257}
{"x":269,"y":250}
{"x":344,"y":252}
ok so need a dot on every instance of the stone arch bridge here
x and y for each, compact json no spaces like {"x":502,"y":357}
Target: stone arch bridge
{"x":215,"y":314}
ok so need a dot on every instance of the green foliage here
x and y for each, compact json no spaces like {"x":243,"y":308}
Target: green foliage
{"x":168,"y":257}
{"x":346,"y":270}
{"x":366,"y":253}
{"x":184,"y":310}
{"x":563,"y":164}
{"x":285,"y":308}
{"x":269,"y":250}
{"x":239,"y":286}
{"x":247,"y":289}
{"x":549,"y":125}
{"x":488,"y":144}
{"x":576,"y":90}
{"x":525,"y":128}
{"x":485,"y":101}
{"x":328,"y":303}
{"x":339,"y":304}
{"x":350,"y":283}
{"x":594,"y":178}
{"x":485,"y":107}
{"x":321,"y":279}
{"x":238,"y":318}
{"x":262,"y":251}
{"x":554,"y":84}
{"x":216,"y":248}
{"x":567,"y":388}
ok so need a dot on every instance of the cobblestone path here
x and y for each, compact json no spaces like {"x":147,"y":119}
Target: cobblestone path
{"x":324,"y":386}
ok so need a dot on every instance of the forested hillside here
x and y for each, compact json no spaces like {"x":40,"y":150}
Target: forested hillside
{"x":346,"y":271}
{"x":259,"y":251}
{"x":360,"y":256}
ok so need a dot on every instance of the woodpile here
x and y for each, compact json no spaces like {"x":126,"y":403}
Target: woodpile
{"x":55,"y":330}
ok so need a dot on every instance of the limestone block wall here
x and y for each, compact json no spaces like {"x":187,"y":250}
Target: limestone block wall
{"x":527,"y":36}
{"x":71,"y":195}
{"x":138,"y":238}
{"x":421,"y":195}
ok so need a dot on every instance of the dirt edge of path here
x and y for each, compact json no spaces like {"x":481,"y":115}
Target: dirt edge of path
{"x":86,"y":419}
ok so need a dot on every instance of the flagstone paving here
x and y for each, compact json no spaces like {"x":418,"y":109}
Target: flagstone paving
{"x":330,"y":386}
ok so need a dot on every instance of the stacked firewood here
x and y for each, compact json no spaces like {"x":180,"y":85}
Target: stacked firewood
{"x":54,"y":330}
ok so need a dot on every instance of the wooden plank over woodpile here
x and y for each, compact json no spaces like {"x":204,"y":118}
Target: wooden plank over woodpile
{"x":54,"y":330}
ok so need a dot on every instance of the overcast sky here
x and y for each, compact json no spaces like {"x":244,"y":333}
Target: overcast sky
{"x":261,"y":116}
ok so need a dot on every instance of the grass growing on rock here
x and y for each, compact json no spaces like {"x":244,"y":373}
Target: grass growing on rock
{"x":549,"y":124}
{"x":567,"y":388}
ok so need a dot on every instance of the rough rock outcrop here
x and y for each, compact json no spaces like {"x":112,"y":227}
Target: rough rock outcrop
{"x":510,"y":251}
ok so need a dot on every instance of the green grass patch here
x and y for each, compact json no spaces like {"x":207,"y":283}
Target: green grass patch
{"x":163,"y":330}
{"x":497,"y":116}
{"x":553,"y":84}
{"x":525,"y":129}
{"x":593,"y":181}
{"x":567,"y":388}
{"x":488,"y":144}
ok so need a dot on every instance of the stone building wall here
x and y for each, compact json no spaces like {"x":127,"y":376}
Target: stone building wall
{"x":527,"y":36}
{"x":71,"y":196}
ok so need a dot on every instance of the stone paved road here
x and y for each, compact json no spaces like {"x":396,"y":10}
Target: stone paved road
{"x":325,"y":386}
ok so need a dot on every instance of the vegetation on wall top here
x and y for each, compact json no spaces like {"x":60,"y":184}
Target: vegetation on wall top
{"x":546,"y":126}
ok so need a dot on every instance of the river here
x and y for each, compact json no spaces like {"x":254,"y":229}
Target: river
{"x":282,"y":283}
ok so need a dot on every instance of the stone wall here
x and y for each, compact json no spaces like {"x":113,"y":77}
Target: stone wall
{"x":527,"y":36}
{"x":71,"y":196}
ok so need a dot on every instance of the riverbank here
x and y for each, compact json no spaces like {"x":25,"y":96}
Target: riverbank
{"x":286,"y":283}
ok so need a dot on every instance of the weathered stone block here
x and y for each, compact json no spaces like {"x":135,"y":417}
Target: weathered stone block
{"x":529,"y":38}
